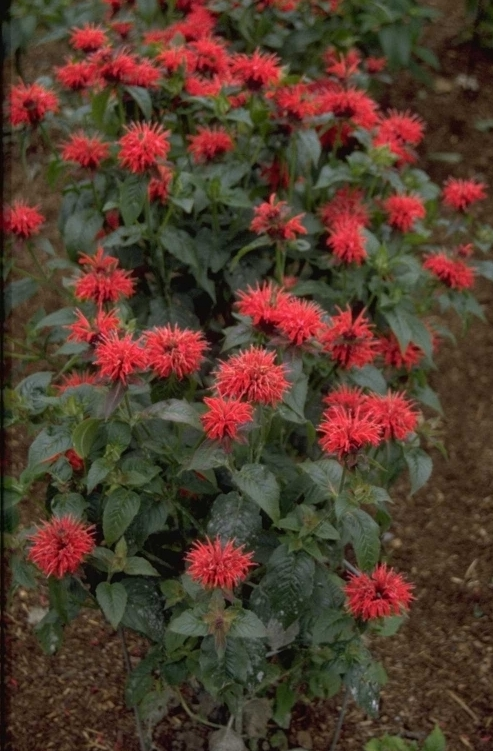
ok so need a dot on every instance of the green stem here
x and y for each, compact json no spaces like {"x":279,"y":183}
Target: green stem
{"x":192,"y":715}
{"x":280,"y":262}
{"x":340,"y":721}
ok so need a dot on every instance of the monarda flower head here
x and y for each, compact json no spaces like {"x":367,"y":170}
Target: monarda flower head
{"x":347,"y":242}
{"x":118,"y":359}
{"x":350,"y":398}
{"x":21,"y":220}
{"x":142,"y":146}
{"x":400,"y":131}
{"x":91,"y":332}
{"x":460,"y":194}
{"x":403,"y":211}
{"x":378,"y":595}
{"x":77,"y":378}
{"x":207,"y":57}
{"x":394,"y":356}
{"x":394,"y":413}
{"x":76,"y":75}
{"x":214,"y":565}
{"x":298,"y":320}
{"x":174,"y":351}
{"x":159,"y":187}
{"x":345,"y":432}
{"x":350,"y":104}
{"x":452,"y":272}
{"x":348,"y":340}
{"x":225,"y":417}
{"x":88,"y":38}
{"x":60,"y":545}
{"x":346,"y":203}
{"x":256,"y":71}
{"x":86,"y":151}
{"x":272,"y":218}
{"x":209,"y":143}
{"x":254,"y":376}
{"x":104,"y":282}
{"x":261,"y":304}
{"x":30,"y":103}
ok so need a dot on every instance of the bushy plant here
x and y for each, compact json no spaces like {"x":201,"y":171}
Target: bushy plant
{"x":254,"y":267}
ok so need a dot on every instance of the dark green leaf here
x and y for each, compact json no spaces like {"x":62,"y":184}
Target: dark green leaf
{"x":209,"y":455}
{"x":260,"y":485}
{"x":112,"y":599}
{"x":364,"y":534}
{"x":121,"y":507}
{"x":143,"y":99}
{"x":188,"y":624}
{"x":420,"y":467}
{"x":136,"y":566}
{"x":234,"y":516}
{"x":247,"y":625}
{"x":22,"y":573}
{"x":176,"y":410}
{"x":18,"y":292}
{"x":98,"y":470}
{"x":325,"y":473}
{"x":50,"y":442}
{"x":84,"y":435}
{"x":133,"y":194}
{"x":69,"y":503}
{"x":369,"y":377}
{"x":286,"y":588}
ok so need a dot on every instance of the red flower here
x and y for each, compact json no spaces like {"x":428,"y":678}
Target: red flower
{"x":86,"y":151}
{"x":75,"y":461}
{"x":172,"y":59}
{"x":76,"y":75}
{"x":203,"y":87}
{"x":225,"y":417}
{"x":174,"y":350}
{"x":273,"y":219}
{"x":342,"y":65}
{"x":257,"y":70}
{"x":143,"y":74}
{"x":88,"y":38}
{"x":89,"y":332}
{"x":350,"y":104}
{"x":454,"y":273}
{"x":114,"y":67}
{"x":349,"y":341}
{"x":393,"y":356}
{"x":348,"y":203}
{"x":347,"y":431}
{"x":347,"y":241}
{"x":252,"y":375}
{"x":375,"y":64}
{"x":398,"y":131}
{"x":209,"y":143}
{"x":207,"y":57}
{"x":30,"y":103}
{"x":60,"y":545}
{"x":394,"y":413}
{"x":118,"y":359}
{"x":105,"y":282}
{"x":459,"y":194}
{"x":142,"y":146}
{"x":276,"y":174}
{"x":350,"y":398}
{"x":294,"y":102}
{"x":379,"y":594}
{"x":158,"y":188}
{"x":122,"y":28}
{"x":298,"y":320}
{"x":78,"y":378}
{"x":466,"y":250}
{"x":22,"y":220}
{"x":403,"y":211}
{"x":261,"y":304}
{"x":213,"y":564}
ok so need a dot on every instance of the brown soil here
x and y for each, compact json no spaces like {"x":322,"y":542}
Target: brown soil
{"x":440,"y":665}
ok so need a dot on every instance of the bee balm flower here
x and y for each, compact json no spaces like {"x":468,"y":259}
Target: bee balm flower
{"x":213,"y":564}
{"x":60,"y":545}
{"x":377,"y":595}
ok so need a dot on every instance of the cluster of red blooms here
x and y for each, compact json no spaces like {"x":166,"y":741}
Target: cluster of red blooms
{"x":273,"y":218}
{"x":103,"y":282}
{"x":345,"y":216}
{"x":60,"y":545}
{"x":217,"y":565}
{"x":379,"y":594}
{"x":354,"y":420}
{"x":21,"y":220}
{"x":453,"y":272}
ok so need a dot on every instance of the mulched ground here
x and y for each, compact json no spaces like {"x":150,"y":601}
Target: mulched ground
{"x":440,"y":664}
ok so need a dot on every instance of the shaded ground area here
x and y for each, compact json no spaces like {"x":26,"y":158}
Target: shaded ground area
{"x":440,"y":665}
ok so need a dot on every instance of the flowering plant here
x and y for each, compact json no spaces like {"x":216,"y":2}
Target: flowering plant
{"x":253,"y":274}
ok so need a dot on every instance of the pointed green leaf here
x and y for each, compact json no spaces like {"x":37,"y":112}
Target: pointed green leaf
{"x":420,"y":467}
{"x":260,"y":485}
{"x":84,"y":435}
{"x":112,"y":599}
{"x":247,"y":625}
{"x":364,"y":535}
{"x":120,"y":509}
{"x":136,"y":566}
{"x":188,"y":624}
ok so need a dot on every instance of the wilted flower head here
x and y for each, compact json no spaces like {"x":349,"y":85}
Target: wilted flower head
{"x":60,"y":545}
{"x":272,"y":218}
{"x":213,"y":564}
{"x":379,"y":594}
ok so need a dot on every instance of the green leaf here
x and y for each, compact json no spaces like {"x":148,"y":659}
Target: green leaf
{"x":145,"y":607}
{"x":420,"y":467}
{"x":112,"y":599}
{"x":427,"y":396}
{"x":308,"y":148}
{"x":23,"y":573}
{"x":136,"y":566}
{"x":259,"y":242}
{"x":69,"y":503}
{"x":50,"y":442}
{"x":369,"y":377}
{"x":18,"y":292}
{"x":260,"y":485}
{"x":296,"y":397}
{"x":364,"y":681}
{"x":143,"y":99}
{"x":141,"y":679}
{"x":79,"y":231}
{"x":120,"y":509}
{"x":484,"y":268}
{"x":435,"y":741}
{"x":286,"y":698}
{"x":188,"y":624}
{"x":326,"y":474}
{"x":84,"y":435}
{"x":181,"y":245}
{"x":208,"y":455}
{"x":234,"y":516}
{"x":364,"y":534}
{"x":98,"y":470}
{"x":99,"y":103}
{"x":133,"y":194}
{"x":247,"y":625}
{"x":32,"y":390}
{"x":175,"y":410}
{"x":396,"y":41}
{"x":60,"y":317}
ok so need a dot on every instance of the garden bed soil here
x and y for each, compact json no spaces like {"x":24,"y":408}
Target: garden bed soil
{"x":440,"y":665}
